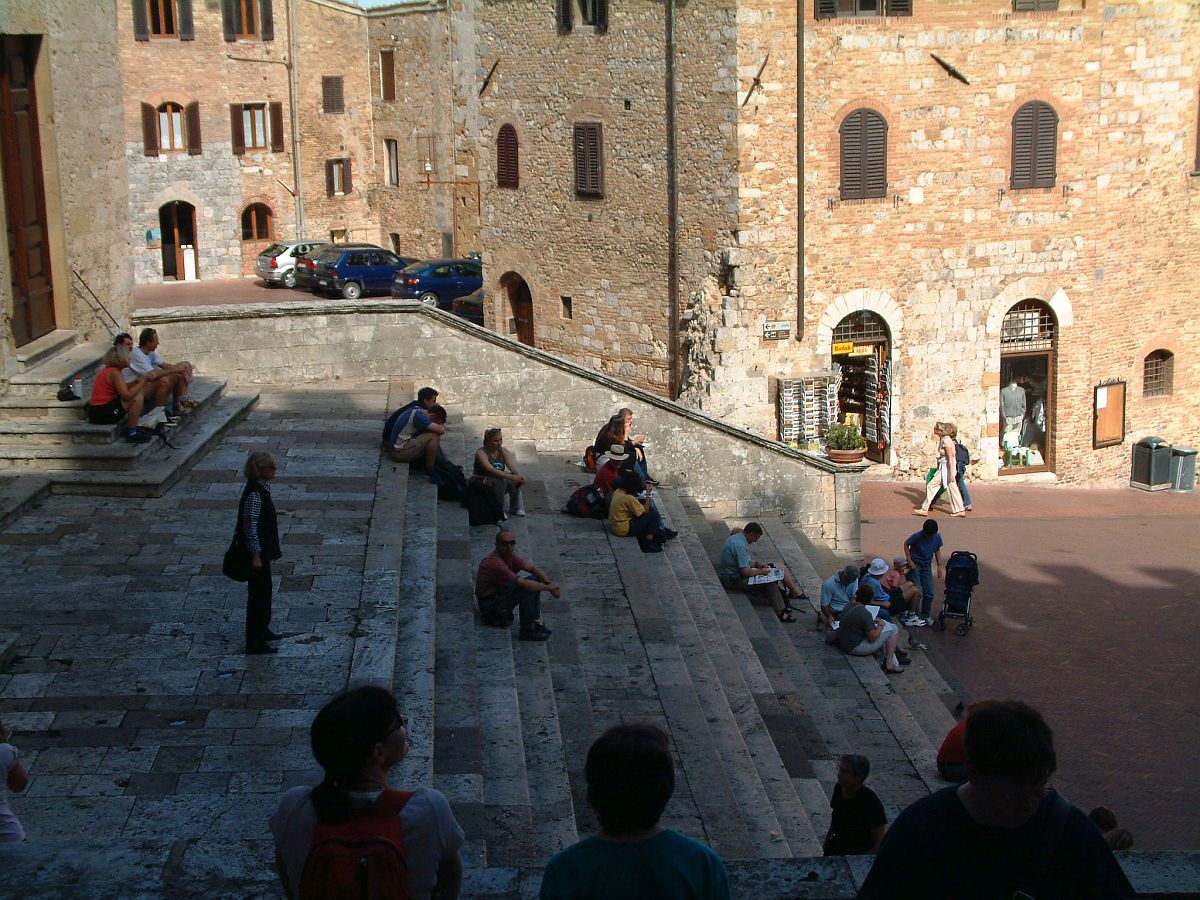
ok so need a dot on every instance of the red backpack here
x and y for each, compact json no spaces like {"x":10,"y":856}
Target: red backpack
{"x":361,"y":857}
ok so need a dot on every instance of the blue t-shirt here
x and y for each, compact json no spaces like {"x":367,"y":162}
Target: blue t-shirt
{"x":881,"y":594}
{"x":836,"y":595}
{"x":411,"y":423}
{"x":735,"y":556}
{"x":667,"y":866}
{"x":922,"y":547}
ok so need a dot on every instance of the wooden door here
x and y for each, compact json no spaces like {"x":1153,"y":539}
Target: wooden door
{"x":24,"y":191}
{"x":522,"y":306}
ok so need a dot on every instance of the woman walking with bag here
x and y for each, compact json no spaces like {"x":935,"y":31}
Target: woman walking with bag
{"x":259,"y":529}
{"x":946,"y":475}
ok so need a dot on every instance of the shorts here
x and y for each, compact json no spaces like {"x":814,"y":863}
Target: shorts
{"x":108,"y":414}
{"x":411,"y":450}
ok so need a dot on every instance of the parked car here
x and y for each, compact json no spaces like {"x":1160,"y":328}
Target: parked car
{"x":356,"y":269}
{"x":306,"y":264}
{"x":438,"y":281}
{"x":469,"y":307}
{"x":277,"y":264}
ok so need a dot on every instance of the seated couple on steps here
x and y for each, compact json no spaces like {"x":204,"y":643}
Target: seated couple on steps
{"x":134,"y":381}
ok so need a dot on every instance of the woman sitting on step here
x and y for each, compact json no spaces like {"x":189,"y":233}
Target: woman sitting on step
{"x":495,"y":465}
{"x":113,"y":397}
{"x":631,"y":513}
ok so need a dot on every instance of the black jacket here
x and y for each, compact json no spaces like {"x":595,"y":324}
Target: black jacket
{"x":268,"y":525}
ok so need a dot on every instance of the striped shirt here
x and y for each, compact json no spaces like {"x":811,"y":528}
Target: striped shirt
{"x":250,"y":517}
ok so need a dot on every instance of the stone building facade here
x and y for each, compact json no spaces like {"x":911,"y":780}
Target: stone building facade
{"x":63,"y":195}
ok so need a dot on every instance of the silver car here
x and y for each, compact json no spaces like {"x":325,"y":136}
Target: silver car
{"x":277,"y":264}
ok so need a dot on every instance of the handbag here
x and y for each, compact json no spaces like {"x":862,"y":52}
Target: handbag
{"x":236,"y":564}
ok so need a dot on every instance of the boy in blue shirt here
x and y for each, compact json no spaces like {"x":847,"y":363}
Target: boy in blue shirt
{"x":922,"y":550}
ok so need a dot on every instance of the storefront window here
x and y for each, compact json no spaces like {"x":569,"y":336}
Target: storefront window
{"x":862,"y":359}
{"x":1026,"y":387}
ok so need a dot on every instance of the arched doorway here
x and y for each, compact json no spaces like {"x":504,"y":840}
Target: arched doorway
{"x":177,"y":221}
{"x":862,"y":359}
{"x":521,"y":303}
{"x":1028,"y":337}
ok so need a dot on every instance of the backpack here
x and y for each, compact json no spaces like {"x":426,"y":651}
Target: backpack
{"x":962,"y":456}
{"x":450,"y":480}
{"x":361,"y":857}
{"x":589,"y":459}
{"x":494,"y":612}
{"x":389,"y":426}
{"x":482,"y":504}
{"x":588,"y":502}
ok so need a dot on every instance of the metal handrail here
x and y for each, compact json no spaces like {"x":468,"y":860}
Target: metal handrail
{"x":98,"y":305}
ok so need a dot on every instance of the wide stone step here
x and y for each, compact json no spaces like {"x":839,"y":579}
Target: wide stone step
{"x":41,"y":409}
{"x":43,"y":380}
{"x":37,"y":351}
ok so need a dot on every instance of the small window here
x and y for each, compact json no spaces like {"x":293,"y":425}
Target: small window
{"x":394,"y":237}
{"x":247,"y":20}
{"x":589,"y":160}
{"x":1034,"y":146}
{"x":170,"y":128}
{"x":1033,"y":5}
{"x":338,"y":235}
{"x":590,"y":12}
{"x":337,"y":177}
{"x":163,"y":20}
{"x":387,"y":75}
{"x":393,"y":161}
{"x":864,"y":155}
{"x":1158,"y":371}
{"x":507,"y":158}
{"x":257,"y":222}
{"x":254,"y":125}
{"x":332,"y":98}
{"x":567,"y":311}
{"x":848,"y":9}
{"x":161,"y":17}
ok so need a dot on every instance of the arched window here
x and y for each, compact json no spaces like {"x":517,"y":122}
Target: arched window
{"x":508,"y":173}
{"x":1034,"y":146}
{"x":170,"y":128}
{"x":1158,"y":370}
{"x":864,"y":155}
{"x":257,"y":224}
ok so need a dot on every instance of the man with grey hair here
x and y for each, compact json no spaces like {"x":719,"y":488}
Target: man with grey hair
{"x":837,"y":591}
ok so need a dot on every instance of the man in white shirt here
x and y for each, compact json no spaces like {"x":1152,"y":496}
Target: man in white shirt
{"x":145,"y":359}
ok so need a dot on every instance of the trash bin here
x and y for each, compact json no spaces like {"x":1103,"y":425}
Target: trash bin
{"x":1151,"y":464}
{"x":1183,"y":470}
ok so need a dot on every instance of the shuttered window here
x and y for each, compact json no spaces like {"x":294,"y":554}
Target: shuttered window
{"x":864,"y":155}
{"x":507,"y":158}
{"x":1033,"y":5}
{"x":843,"y":9}
{"x":163,"y":19}
{"x":1034,"y":146}
{"x":566,"y":15}
{"x":589,"y":160}
{"x":1158,"y":370}
{"x":248,"y":19}
{"x":171,"y":128}
{"x":337,"y":177}
{"x":276,"y":108}
{"x":332,"y":98}
{"x":254,"y":126}
{"x":191,"y":127}
{"x":387,"y":75}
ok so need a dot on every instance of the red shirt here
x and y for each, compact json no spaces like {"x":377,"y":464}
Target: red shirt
{"x":103,"y":393}
{"x":606,"y":476}
{"x":495,"y":575}
{"x":954,"y":750}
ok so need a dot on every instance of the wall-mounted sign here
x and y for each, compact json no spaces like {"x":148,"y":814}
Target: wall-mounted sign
{"x":862,"y":350}
{"x":776,"y":331}
{"x":842,"y":348}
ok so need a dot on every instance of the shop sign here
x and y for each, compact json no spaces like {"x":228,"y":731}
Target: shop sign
{"x":862,"y":350}
{"x":776,"y":331}
{"x":842,"y":348}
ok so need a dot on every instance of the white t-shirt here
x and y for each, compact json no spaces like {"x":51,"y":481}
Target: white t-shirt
{"x":431,"y":835}
{"x":142,"y":362}
{"x":10,"y":828}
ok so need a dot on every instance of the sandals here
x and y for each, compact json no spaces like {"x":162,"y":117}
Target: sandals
{"x":785,"y":616}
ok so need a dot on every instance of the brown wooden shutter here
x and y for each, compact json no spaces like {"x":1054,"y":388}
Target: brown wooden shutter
{"x":236,"y":129}
{"x":507,"y":158}
{"x":266,"y":20}
{"x":150,"y":129}
{"x":187,"y":26}
{"x":227,"y":20}
{"x":329,"y":164}
{"x":277,"y":136}
{"x":874,"y":155}
{"x":141,"y":21}
{"x":825,"y":9}
{"x":1022,"y":149}
{"x":852,"y":156}
{"x":1045,"y":145}
{"x":347,"y":183}
{"x":191,"y":116}
{"x":387,"y":75}
{"x":565,"y":16}
{"x":332,"y":98}
{"x":1197,"y":166}
{"x":589,"y":161}
{"x":601,"y":16}
{"x":899,"y":7}
{"x":1032,"y":5}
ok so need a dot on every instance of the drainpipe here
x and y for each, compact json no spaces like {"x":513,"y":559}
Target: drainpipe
{"x":672,"y":212}
{"x":294,"y":112}
{"x":800,"y":171}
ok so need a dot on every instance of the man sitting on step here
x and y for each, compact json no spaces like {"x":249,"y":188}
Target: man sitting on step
{"x":502,"y":585}
{"x":837,"y":592}
{"x":737,"y":568}
{"x":148,"y":365}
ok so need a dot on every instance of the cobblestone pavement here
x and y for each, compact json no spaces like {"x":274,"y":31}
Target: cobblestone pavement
{"x":1083,"y":609}
{"x":134,"y":707}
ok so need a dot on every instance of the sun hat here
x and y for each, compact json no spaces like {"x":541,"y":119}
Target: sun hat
{"x":617,"y":453}
{"x":877,"y":567}
{"x":899,"y":561}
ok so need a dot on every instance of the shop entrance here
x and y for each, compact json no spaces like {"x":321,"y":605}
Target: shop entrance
{"x":862,"y":357}
{"x":177,"y":221}
{"x":1027,"y":343}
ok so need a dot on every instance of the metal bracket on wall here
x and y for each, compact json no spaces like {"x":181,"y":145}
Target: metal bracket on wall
{"x":757,"y":82}
{"x":488,"y":78}
{"x":950,"y":68}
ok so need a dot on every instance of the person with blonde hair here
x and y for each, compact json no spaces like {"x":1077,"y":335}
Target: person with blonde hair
{"x":113,"y":398}
{"x":945,"y":476}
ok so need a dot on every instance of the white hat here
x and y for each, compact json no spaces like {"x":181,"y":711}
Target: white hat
{"x":877,"y":567}
{"x":617,"y":453}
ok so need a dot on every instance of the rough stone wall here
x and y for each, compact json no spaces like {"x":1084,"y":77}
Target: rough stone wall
{"x":83,"y":166}
{"x":951,"y":247}
{"x":216,"y":182}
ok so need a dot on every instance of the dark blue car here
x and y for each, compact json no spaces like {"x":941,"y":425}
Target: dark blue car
{"x":356,"y":269}
{"x":438,"y":281}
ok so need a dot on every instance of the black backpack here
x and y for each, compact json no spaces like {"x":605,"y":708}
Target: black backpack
{"x":962,"y":456}
{"x":588,"y":502}
{"x":450,"y":479}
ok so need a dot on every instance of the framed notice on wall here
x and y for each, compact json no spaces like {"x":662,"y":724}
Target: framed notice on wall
{"x":1108,"y":415}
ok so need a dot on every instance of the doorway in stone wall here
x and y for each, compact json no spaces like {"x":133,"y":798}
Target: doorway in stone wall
{"x":177,"y":220}
{"x":520,"y":301}
{"x":1028,"y":339}
{"x":862,"y":359}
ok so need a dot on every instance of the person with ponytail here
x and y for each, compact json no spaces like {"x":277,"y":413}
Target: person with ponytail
{"x":357,"y":737}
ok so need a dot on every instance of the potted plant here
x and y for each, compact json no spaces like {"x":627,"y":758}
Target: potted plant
{"x":844,"y":444}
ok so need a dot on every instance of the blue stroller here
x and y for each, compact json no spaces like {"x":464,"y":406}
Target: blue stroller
{"x":962,"y":574}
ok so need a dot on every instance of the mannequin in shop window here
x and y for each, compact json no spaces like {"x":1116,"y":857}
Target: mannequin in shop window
{"x":1013,"y":403}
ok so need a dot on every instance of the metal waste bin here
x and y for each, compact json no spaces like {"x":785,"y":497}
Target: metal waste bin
{"x":1151,"y":464}
{"x":1183,"y":470}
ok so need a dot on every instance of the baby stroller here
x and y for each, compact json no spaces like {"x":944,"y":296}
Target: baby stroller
{"x":962,"y":574}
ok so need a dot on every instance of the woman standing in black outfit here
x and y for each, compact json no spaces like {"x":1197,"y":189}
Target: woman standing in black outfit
{"x":260,"y":531}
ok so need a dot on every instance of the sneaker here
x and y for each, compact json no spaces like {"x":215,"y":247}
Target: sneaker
{"x":651,"y":481}
{"x":187,"y":405}
{"x":137,"y":437}
{"x":909,"y":619}
{"x":918,"y":622}
{"x":520,"y":510}
{"x":542,"y":628}
{"x":533,"y":634}
{"x":904,"y":658}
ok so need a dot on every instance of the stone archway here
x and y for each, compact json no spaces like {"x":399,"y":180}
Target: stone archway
{"x":177,"y":221}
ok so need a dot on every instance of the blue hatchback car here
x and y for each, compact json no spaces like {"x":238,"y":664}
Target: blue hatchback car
{"x":438,"y":282}
{"x":356,"y":269}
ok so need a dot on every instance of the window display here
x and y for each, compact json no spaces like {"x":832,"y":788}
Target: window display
{"x":1024,"y":397}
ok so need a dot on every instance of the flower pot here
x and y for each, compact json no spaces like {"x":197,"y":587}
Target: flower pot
{"x":847,"y":456}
